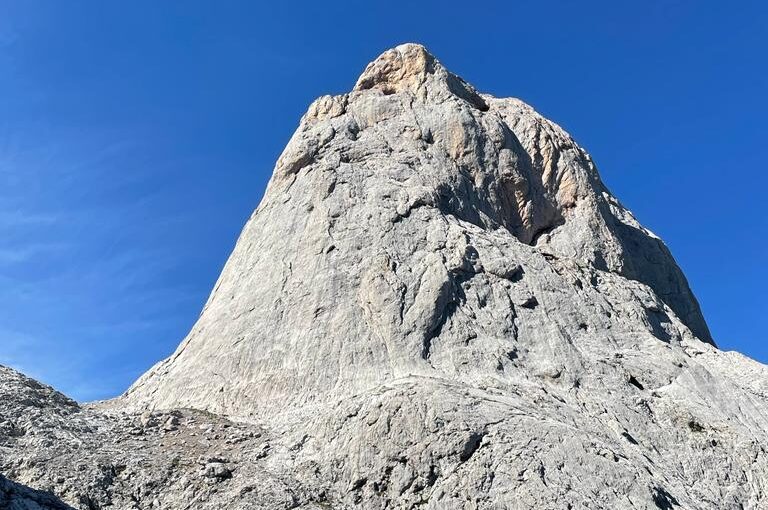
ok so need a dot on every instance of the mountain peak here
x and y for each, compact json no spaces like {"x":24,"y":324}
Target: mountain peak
{"x":404,"y":67}
{"x":413,"y":227}
{"x":437,"y":304}
{"x":411,"y":68}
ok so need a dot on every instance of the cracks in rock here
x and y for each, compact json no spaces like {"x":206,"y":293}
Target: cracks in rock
{"x":663,"y":499}
{"x":550,"y":257}
{"x":449,"y":203}
{"x":358,"y":484}
{"x":634,"y":382}
{"x":330,"y":188}
{"x":658,"y":321}
{"x":547,"y":229}
{"x":292,"y":167}
{"x":474,"y":442}
{"x":451,"y":296}
{"x":417,"y":204}
{"x":433,"y":475}
{"x":626,"y":435}
{"x":428,"y":137}
{"x":513,"y":275}
{"x":436,"y":329}
{"x":429,"y":480}
{"x":530,"y":303}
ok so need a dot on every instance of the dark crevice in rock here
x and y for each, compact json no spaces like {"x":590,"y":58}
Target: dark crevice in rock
{"x":471,"y":446}
{"x":657,"y":319}
{"x":449,"y":299}
{"x":513,"y":274}
{"x":412,"y":207}
{"x":663,"y":499}
{"x":634,"y":382}
{"x":626,"y":435}
{"x":359,"y":483}
{"x":559,"y":221}
{"x":433,"y":475}
{"x":459,"y":200}
{"x":516,"y":274}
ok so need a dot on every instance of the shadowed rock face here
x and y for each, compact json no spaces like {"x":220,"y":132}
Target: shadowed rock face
{"x":437,"y":305}
{"x":384,"y":248}
{"x":14,"y":496}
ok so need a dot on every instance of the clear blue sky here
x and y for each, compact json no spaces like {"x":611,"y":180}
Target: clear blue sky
{"x":137,"y":137}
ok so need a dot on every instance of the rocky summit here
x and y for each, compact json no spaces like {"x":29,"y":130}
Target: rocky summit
{"x":438,"y":304}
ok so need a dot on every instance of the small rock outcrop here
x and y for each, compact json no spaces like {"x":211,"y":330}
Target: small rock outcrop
{"x":438,"y":304}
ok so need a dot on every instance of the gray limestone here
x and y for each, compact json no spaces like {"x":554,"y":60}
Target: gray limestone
{"x":438,"y":304}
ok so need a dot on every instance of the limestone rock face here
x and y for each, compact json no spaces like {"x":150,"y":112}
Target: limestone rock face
{"x":56,"y":454}
{"x":438,"y":305}
{"x":415,"y":227}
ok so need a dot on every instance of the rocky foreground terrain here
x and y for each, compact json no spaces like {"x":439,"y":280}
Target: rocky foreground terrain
{"x":438,"y":304}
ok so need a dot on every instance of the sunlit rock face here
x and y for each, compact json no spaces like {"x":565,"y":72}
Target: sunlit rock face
{"x":408,"y":229}
{"x":439,"y":305}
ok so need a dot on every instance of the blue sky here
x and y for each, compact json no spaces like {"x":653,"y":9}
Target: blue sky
{"x":137,"y":137}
